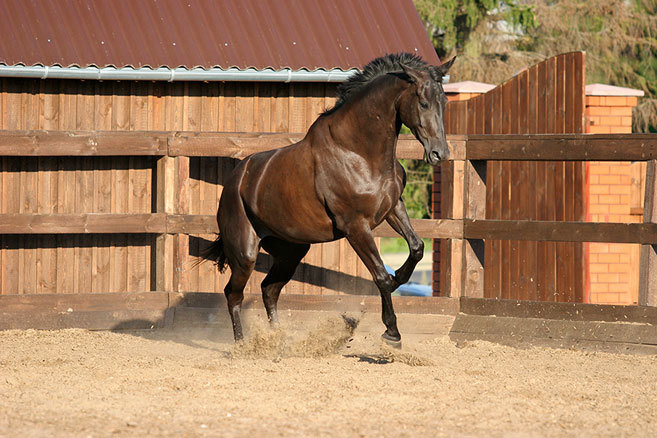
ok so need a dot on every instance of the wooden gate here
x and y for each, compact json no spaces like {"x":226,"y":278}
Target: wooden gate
{"x":547,"y":98}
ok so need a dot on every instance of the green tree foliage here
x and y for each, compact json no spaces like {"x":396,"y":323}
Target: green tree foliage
{"x":450,"y":22}
{"x":417,"y":194}
{"x":419,"y":180}
{"x":619,"y":37}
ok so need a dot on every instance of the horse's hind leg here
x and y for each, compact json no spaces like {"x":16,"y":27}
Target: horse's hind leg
{"x":287,"y":257}
{"x":234,"y":292}
{"x":241,"y":246}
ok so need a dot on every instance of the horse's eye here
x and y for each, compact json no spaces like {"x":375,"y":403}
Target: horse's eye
{"x":424,"y":105}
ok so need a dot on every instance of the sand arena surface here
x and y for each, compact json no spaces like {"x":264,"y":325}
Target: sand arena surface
{"x":317,"y":383}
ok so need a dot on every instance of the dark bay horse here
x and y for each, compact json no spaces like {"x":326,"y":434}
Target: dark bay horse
{"x":341,"y":180}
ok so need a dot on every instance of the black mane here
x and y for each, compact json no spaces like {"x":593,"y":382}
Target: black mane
{"x":378,"y":67}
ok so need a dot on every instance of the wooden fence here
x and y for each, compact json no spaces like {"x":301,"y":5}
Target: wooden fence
{"x":136,"y":234}
{"x":547,"y":98}
{"x":465,"y":190}
{"x":47,"y":184}
{"x":89,"y":212}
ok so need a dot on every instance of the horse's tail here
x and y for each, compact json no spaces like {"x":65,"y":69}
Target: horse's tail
{"x":215,"y":252}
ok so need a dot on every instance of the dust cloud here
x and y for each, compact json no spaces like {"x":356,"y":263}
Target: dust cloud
{"x":264,"y":342}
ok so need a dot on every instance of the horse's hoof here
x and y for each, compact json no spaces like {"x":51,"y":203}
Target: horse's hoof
{"x":392,"y":342}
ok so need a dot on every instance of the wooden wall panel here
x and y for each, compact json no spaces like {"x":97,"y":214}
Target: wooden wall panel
{"x":546,"y":98}
{"x":116,"y":263}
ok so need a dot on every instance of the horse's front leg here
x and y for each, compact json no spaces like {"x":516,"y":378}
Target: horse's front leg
{"x":361,"y":240}
{"x":398,"y":220}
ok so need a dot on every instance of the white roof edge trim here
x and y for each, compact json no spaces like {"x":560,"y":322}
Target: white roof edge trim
{"x":177,"y":74}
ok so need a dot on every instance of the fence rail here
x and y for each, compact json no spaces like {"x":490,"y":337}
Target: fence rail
{"x":463,"y":195}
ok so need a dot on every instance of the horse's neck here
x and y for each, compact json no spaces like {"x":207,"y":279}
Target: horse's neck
{"x":368,"y":125}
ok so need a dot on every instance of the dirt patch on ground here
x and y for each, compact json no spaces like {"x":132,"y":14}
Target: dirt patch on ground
{"x":321,"y":383}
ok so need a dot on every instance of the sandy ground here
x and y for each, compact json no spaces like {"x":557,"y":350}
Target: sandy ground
{"x":318,"y":383}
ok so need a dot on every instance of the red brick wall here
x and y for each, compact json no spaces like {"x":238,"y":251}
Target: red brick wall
{"x":609,"y":114}
{"x":614,"y":195}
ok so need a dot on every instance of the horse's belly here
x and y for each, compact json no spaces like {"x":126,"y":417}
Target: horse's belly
{"x":294,"y":226}
{"x":280,"y":196}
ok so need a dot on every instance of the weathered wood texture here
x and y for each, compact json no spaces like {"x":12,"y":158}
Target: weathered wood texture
{"x":648,"y":263}
{"x":546,"y":98}
{"x":146,"y":310}
{"x":60,"y":180}
{"x":105,"y":222}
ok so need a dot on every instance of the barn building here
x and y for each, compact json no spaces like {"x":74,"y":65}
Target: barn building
{"x":227,"y":66}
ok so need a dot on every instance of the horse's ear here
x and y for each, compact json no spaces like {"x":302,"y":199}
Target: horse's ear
{"x":413,"y":75}
{"x":443,"y":68}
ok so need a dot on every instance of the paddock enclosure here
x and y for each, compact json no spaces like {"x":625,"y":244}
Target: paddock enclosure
{"x":110,"y":191}
{"x":110,"y":187}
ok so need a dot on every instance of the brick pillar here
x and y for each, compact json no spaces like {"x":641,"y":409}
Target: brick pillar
{"x":614,"y":195}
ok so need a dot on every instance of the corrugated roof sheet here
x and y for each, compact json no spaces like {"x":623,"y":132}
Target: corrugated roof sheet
{"x":296,"y":34}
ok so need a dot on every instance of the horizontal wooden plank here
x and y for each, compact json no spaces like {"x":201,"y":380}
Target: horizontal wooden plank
{"x":532,"y":332}
{"x":159,"y":223}
{"x":116,"y":311}
{"x":408,"y":148}
{"x":564,"y":311}
{"x":233,"y":145}
{"x":84,"y":302}
{"x":339,"y":303}
{"x":82,"y":143}
{"x":240,"y":145}
{"x":430,"y":228}
{"x":192,"y":224}
{"x":599,"y":147}
{"x":90,"y":320}
{"x":434,"y":228}
{"x":563,"y":147}
{"x":97,"y":311}
{"x":82,"y":223}
{"x":560,"y":231}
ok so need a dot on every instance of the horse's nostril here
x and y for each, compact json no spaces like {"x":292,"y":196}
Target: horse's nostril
{"x":435,"y":155}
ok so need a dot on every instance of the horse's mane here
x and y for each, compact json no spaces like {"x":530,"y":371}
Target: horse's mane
{"x":380,"y":66}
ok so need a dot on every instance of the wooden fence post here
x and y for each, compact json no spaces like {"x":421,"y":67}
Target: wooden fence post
{"x":648,"y":264}
{"x":181,"y":241}
{"x":164,"y":203}
{"x":452,"y":203}
{"x":474,"y":207}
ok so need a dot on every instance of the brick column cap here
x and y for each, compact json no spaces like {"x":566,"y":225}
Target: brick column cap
{"x":468,"y":87}
{"x":611,"y":90}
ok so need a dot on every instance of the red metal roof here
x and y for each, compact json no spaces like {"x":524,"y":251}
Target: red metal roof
{"x":296,"y":34}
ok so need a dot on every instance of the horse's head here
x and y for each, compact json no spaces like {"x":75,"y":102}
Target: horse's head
{"x":422,"y":109}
